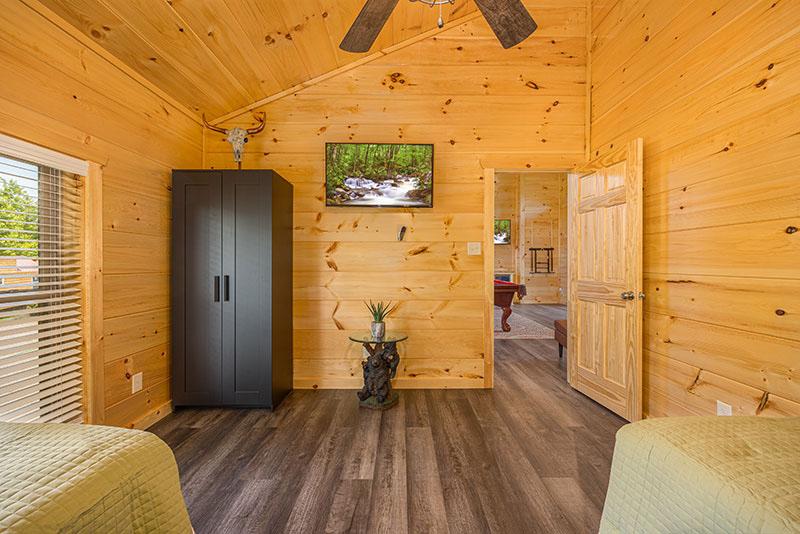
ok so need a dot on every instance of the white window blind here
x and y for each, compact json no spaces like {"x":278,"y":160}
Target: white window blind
{"x":40,"y":286}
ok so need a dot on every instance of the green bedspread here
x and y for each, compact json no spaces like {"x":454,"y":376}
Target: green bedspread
{"x":705,"y":475}
{"x":78,"y":478}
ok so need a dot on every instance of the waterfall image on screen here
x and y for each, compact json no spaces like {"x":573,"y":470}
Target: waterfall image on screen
{"x":379,"y":175}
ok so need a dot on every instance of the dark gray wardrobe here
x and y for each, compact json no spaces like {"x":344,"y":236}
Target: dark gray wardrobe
{"x":231,"y":288}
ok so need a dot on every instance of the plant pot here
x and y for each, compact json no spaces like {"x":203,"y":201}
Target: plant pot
{"x":378,"y":330}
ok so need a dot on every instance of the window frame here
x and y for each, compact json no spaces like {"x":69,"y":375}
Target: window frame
{"x":91,"y":251}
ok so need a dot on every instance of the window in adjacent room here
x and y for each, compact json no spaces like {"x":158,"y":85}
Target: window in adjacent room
{"x":40,"y":284}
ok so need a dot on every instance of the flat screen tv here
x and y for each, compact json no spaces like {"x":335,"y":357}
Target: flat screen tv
{"x":502,"y":231}
{"x":379,"y":175}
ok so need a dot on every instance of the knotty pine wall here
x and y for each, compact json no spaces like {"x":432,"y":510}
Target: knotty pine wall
{"x":536,"y":204}
{"x":506,"y":206}
{"x":482,"y":107}
{"x":543,"y":223}
{"x":712,"y":87}
{"x":61,"y":92}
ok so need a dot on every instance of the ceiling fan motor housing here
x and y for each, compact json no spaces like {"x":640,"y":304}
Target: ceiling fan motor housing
{"x":509,"y":20}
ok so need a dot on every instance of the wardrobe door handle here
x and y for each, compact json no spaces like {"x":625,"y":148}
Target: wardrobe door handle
{"x":227,"y":288}
{"x":216,"y":289}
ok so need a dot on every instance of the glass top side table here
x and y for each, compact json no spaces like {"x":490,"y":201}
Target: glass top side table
{"x":366,"y":337}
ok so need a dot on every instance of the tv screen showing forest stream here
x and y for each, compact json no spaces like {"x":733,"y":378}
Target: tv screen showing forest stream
{"x":379,"y":175}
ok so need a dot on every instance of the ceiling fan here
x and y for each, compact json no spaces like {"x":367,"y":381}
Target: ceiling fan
{"x":509,"y":20}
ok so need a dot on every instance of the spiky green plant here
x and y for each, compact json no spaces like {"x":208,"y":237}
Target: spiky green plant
{"x":380,"y":310}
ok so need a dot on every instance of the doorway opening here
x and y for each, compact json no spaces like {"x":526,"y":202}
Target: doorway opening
{"x":602,"y":257}
{"x":529,"y":265}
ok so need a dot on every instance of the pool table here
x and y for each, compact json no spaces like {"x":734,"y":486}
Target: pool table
{"x":504,"y":296}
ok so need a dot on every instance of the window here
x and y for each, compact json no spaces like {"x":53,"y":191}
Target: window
{"x":40,"y":284}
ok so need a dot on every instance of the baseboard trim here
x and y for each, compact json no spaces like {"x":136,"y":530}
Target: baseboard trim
{"x":153,"y":417}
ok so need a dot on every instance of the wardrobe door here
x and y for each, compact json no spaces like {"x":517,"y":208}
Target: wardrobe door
{"x":197,"y":288}
{"x":247,"y":273}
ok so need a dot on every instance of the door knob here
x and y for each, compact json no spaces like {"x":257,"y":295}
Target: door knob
{"x":627,"y":295}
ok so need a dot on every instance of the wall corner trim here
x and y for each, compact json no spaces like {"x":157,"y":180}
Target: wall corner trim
{"x":94,"y":361}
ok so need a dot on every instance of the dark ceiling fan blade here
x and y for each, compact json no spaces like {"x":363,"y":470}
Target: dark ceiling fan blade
{"x":367,"y":25}
{"x":509,"y":20}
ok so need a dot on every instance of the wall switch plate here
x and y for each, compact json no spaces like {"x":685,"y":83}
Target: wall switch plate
{"x":724,"y":409}
{"x":136,"y":382}
{"x":474,"y":248}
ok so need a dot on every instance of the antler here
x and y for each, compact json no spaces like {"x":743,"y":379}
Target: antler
{"x":262,"y":119}
{"x":212,"y":127}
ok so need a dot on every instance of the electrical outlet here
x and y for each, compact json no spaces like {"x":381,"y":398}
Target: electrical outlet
{"x":136,"y":382}
{"x":724,"y":409}
{"x":474,"y":248}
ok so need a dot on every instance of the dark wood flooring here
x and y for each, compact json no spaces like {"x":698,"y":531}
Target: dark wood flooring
{"x":532,"y":455}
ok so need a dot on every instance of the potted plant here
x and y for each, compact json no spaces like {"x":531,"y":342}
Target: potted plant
{"x":379,"y":312}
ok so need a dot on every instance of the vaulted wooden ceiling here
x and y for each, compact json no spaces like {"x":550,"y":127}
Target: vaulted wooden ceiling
{"x":216,"y":56}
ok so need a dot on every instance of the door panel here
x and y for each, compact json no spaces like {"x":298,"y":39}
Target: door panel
{"x":246,"y":264}
{"x":590,"y":269}
{"x":614,"y":242}
{"x":589,"y":336}
{"x":614,"y":368}
{"x":605,"y":271}
{"x":615,"y":175}
{"x":197,"y":310}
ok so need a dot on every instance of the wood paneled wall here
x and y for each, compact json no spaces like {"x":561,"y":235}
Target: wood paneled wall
{"x":506,"y":206}
{"x":543,"y":223}
{"x":482,"y":107}
{"x":712,"y":87}
{"x":536,"y":204}
{"x":61,"y":92}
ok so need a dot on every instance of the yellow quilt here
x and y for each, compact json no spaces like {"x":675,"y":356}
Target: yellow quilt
{"x":705,"y":475}
{"x":78,"y":478}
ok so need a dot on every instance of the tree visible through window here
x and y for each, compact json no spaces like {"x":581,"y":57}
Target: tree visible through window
{"x":20,"y":218}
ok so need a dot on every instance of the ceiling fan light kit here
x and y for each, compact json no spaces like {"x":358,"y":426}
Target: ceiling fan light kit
{"x":509,"y":20}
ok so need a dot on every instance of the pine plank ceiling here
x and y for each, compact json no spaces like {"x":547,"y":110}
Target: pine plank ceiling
{"x":216,"y":56}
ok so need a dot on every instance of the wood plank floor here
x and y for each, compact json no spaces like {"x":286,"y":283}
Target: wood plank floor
{"x":541,"y":313}
{"x":532,"y":455}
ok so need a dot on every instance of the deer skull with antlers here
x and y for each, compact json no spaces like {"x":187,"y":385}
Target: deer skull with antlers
{"x":237,"y":137}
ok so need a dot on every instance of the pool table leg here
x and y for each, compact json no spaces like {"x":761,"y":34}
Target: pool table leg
{"x":504,"y":320}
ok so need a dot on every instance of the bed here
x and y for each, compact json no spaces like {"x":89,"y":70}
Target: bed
{"x":705,"y":475}
{"x":79,"y":478}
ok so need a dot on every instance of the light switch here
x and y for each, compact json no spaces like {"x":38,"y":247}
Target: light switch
{"x":474,"y":248}
{"x":136,"y":382}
